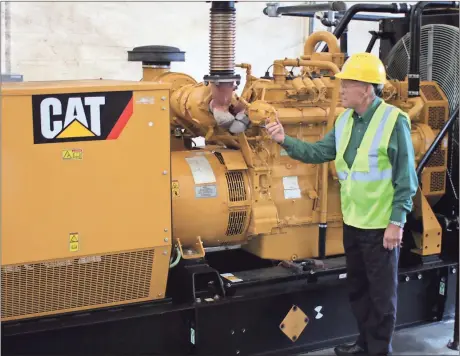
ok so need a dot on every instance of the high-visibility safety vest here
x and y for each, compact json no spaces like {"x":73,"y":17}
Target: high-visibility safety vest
{"x":366,"y":188}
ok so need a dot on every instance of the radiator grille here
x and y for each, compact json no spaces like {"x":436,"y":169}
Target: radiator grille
{"x":437,"y":181}
{"x":236,"y":189}
{"x":75,"y":283}
{"x":437,"y":159}
{"x":236,"y":222}
{"x":430,"y":92}
{"x":436,"y":117}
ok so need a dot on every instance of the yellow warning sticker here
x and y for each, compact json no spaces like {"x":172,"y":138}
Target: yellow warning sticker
{"x":231,"y":277}
{"x":74,"y":242}
{"x":175,"y":188}
{"x":74,"y":154}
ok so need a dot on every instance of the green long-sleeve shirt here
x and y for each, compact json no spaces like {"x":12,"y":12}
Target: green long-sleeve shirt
{"x":400,"y":152}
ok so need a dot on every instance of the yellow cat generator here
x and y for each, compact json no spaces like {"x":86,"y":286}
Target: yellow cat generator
{"x":122,"y":235}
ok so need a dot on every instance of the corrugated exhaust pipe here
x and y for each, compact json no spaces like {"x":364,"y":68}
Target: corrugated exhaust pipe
{"x":222,"y":36}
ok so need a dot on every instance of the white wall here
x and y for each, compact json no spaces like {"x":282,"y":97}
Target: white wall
{"x":79,"y":40}
{"x":53,"y":41}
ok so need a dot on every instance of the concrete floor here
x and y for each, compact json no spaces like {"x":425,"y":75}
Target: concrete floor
{"x":423,"y":340}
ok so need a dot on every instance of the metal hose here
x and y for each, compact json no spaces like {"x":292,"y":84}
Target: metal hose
{"x":222,"y":38}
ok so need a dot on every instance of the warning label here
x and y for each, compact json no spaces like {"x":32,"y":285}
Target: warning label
{"x":74,"y":154}
{"x":175,"y":188}
{"x":206,"y":191}
{"x":291,"y":188}
{"x":74,"y":242}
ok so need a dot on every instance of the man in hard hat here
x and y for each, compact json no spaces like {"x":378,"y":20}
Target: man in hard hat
{"x":371,"y":147}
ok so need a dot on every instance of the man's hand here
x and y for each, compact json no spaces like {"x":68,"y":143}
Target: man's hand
{"x":275,"y":130}
{"x":392,"y":237}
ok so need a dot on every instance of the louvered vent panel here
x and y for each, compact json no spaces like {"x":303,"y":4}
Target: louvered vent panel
{"x":430,"y":92}
{"x":236,"y":189}
{"x":437,"y":159}
{"x":236,"y":222}
{"x":75,"y":283}
{"x":436,"y":117}
{"x":437,"y":181}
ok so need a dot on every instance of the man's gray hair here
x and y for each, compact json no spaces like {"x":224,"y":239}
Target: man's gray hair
{"x":377,"y":89}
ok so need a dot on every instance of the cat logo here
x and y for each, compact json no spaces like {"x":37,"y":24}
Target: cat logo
{"x":75,"y":120}
{"x":80,"y":117}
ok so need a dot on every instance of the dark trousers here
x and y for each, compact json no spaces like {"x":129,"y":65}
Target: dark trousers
{"x":372,"y":277}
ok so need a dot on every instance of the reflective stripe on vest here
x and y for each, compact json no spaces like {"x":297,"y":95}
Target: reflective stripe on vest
{"x":340,"y":126}
{"x":374,"y":173}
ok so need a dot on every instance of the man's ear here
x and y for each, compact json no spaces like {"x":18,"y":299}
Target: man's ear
{"x":369,"y":90}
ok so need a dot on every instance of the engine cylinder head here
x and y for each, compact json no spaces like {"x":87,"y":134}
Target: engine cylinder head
{"x":222,"y":35}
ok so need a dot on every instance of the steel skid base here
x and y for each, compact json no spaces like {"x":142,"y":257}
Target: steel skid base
{"x":207,"y":315}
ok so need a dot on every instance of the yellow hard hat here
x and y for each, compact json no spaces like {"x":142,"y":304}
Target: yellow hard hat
{"x":363,"y":67}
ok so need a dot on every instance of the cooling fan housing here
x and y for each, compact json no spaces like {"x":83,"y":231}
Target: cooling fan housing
{"x":439,"y":62}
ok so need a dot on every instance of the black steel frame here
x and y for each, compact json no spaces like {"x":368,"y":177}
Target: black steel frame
{"x":244,"y":319}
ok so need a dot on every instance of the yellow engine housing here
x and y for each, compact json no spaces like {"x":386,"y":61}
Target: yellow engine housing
{"x":82,"y":226}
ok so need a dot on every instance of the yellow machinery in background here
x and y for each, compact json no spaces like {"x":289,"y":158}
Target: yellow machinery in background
{"x":279,"y":208}
{"x":102,"y":188}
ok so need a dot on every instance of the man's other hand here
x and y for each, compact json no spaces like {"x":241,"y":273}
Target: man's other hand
{"x":392,"y":237}
{"x":275,"y":130}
